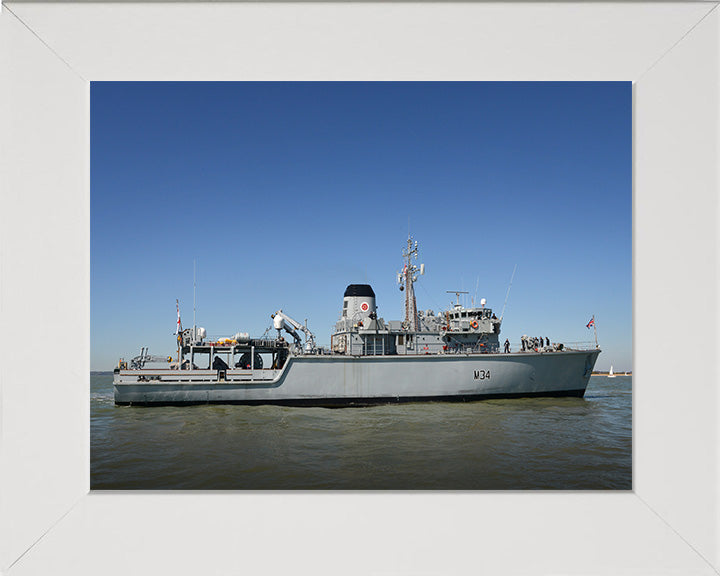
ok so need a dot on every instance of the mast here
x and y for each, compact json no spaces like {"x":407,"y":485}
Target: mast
{"x":592,"y":323}
{"x":407,"y":277}
{"x":595,"y":330}
{"x":178,"y":331}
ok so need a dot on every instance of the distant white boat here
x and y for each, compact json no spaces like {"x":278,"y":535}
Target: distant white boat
{"x":611,"y":374}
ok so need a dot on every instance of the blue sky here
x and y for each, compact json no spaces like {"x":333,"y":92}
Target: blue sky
{"x":285,"y":193}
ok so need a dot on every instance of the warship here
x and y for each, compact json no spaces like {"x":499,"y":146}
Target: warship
{"x":453,"y":355}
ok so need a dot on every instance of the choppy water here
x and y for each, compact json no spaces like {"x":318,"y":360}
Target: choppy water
{"x":553,"y":443}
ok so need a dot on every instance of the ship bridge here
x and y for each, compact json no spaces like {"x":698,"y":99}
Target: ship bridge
{"x":478,"y":319}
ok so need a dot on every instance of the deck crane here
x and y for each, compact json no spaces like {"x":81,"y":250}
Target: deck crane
{"x":282,"y":321}
{"x":138,"y":363}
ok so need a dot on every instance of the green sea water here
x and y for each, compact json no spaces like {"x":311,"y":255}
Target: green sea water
{"x":519,"y":444}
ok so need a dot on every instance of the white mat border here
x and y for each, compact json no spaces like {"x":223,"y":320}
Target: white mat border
{"x":666,"y":498}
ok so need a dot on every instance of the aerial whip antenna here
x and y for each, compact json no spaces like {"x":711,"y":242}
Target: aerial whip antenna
{"x":194,"y":325}
{"x":508,"y":293}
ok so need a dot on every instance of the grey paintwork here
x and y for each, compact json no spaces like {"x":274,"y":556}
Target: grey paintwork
{"x":454,"y":354}
{"x":372,"y":377}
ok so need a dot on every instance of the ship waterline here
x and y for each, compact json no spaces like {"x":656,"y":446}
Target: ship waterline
{"x":363,"y":380}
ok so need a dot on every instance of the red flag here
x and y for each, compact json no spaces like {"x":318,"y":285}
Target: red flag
{"x":591,"y":323}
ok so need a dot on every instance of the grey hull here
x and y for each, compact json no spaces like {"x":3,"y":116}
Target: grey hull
{"x":347,"y":380}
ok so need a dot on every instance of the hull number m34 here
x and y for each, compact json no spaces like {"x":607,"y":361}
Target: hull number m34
{"x":481,"y":374}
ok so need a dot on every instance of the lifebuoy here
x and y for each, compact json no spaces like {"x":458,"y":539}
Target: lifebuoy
{"x":474,"y":325}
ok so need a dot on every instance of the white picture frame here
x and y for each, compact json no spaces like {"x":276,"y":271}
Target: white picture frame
{"x":51,"y":523}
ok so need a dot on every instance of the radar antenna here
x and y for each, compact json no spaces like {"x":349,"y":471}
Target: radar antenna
{"x":457,"y":295}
